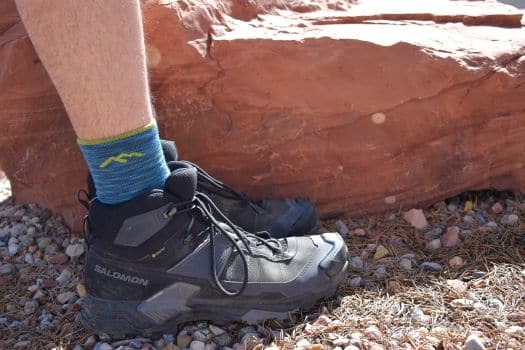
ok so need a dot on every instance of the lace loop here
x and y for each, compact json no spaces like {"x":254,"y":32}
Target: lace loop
{"x":206,"y":208}
{"x":220,"y":187}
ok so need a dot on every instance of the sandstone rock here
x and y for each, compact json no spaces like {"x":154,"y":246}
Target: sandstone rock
{"x":497,"y":208}
{"x":451,"y":237}
{"x":381,"y":252}
{"x":416,"y":218}
{"x":405,"y":122}
{"x":359,"y":232}
{"x":456,"y":262}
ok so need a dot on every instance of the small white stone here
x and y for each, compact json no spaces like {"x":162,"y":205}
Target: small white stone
{"x":434,"y":244}
{"x":63,"y":298}
{"x":473,"y":342}
{"x":216,"y":330}
{"x":197,"y":345}
{"x":509,"y":219}
{"x":64,"y":276}
{"x":75,"y":250}
{"x":378,"y":118}
{"x":13,"y":249}
{"x":390,"y":199}
{"x":406,"y":264}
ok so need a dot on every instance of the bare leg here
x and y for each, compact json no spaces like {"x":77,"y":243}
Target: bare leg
{"x":94,"y":52}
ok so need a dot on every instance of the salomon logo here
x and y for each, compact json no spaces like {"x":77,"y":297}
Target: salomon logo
{"x":121,"y":276}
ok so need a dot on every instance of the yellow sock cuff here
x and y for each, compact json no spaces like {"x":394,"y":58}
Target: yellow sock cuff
{"x":118,"y":137}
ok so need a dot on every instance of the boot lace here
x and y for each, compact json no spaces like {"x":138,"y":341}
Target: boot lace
{"x":204,"y":208}
{"x":219,"y":187}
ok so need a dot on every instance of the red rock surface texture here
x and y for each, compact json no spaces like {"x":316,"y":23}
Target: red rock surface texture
{"x":364,"y":106}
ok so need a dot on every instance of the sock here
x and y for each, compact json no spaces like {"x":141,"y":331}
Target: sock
{"x":127,"y":165}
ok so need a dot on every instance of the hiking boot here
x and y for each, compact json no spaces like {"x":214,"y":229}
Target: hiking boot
{"x":170,"y":256}
{"x":279,"y":217}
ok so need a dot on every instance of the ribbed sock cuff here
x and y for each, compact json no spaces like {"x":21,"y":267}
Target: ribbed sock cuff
{"x":127,"y":165}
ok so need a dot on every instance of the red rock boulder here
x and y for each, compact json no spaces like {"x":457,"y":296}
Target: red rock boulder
{"x":363,"y":106}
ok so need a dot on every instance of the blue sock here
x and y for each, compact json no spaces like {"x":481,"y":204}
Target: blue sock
{"x":127,"y":165}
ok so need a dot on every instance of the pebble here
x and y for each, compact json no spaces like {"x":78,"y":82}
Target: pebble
{"x":359,"y":232}
{"x":22,"y":344}
{"x":351,"y":347}
{"x":171,"y":346}
{"x":199,"y":336}
{"x":491,"y":224}
{"x":462,"y":302}
{"x":30,"y":307}
{"x":406,"y":264}
{"x":434,"y":244}
{"x":51,"y":249}
{"x":509,"y":219}
{"x":495,"y":303}
{"x":197,"y":345}
{"x":245,"y":330}
{"x":451,"y":237}
{"x":468,"y":206}
{"x":356,"y":263}
{"x":380,"y":272}
{"x":81,"y":289}
{"x":455,"y":262}
{"x":183,"y":341}
{"x":216,"y":330}
{"x":468,"y":219}
{"x":29,"y":259}
{"x":514,"y":329}
{"x":249,"y":340}
{"x":341,"y":342}
{"x":416,"y":218}
{"x":222,"y":339}
{"x":168,"y":338}
{"x":6,"y":269}
{"x":13,"y":249}
{"x":431,"y":267}
{"x":381,"y":252}
{"x":473,"y":342}
{"x":355,"y":282}
{"x":457,"y":286}
{"x":43,"y":242}
{"x":64,"y":276}
{"x":58,"y":259}
{"x":210,"y":346}
{"x":452,"y":207}
{"x":303,"y":344}
{"x":434,"y":233}
{"x":341,"y":228}
{"x":75,"y":250}
{"x":419,"y":316}
{"x":102,"y":346}
{"x":63,"y":298}
{"x":375,"y":346}
{"x":496,"y":208}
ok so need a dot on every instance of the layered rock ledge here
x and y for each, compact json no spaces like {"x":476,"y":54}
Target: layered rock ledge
{"x":364,"y":106}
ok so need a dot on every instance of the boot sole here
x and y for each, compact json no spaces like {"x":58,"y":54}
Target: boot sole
{"x":120,"y":319}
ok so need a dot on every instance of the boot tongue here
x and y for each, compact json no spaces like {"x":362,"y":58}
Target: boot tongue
{"x":182,"y":182}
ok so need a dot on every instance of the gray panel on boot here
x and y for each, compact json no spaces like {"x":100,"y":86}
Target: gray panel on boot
{"x":136,"y":230}
{"x":167,"y":303}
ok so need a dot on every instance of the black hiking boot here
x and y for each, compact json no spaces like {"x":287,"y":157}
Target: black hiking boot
{"x":279,"y":217}
{"x":170,"y":256}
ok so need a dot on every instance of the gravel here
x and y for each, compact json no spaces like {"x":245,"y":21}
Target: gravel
{"x":407,"y":293}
